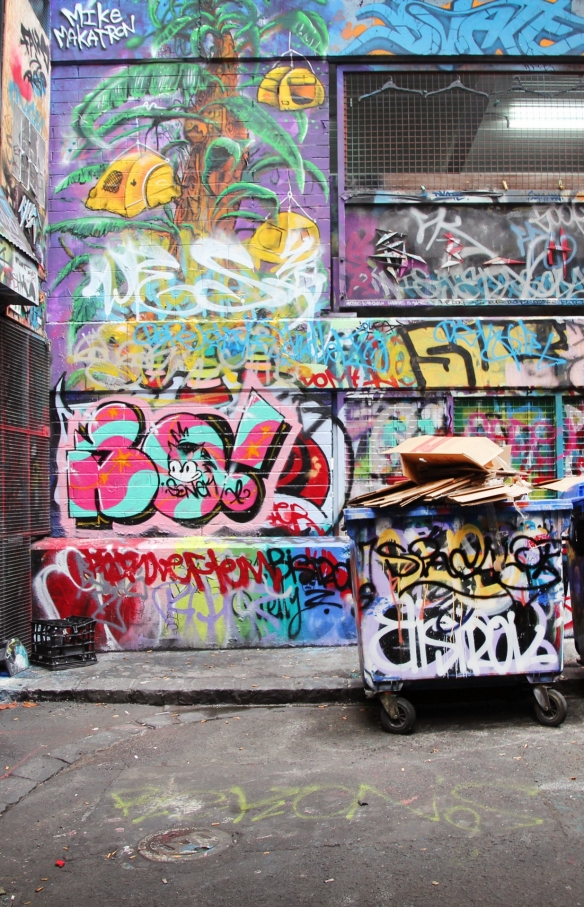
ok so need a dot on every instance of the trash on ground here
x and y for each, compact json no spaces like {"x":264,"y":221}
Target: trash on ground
{"x":13,"y":657}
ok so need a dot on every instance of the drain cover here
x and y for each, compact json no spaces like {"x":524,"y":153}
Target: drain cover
{"x":183,"y":844}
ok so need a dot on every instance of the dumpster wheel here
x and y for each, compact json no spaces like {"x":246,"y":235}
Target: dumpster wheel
{"x":556,"y":714}
{"x":397,"y":715}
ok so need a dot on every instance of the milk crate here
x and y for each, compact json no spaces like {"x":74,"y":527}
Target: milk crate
{"x":61,"y":644}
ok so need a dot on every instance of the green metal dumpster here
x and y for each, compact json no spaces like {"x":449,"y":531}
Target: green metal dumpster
{"x":446,"y":592}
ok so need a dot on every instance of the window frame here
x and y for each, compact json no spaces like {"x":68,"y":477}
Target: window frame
{"x":347,"y":197}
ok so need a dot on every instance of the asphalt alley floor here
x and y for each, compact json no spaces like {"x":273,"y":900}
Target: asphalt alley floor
{"x":228,"y":676}
{"x":303,"y":804}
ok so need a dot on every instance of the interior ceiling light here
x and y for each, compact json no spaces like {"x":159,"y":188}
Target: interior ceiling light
{"x":546,"y":116}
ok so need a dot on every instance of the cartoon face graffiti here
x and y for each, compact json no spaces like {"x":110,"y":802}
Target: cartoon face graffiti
{"x":204,"y":468}
{"x":188,"y":466}
{"x":191,"y":468}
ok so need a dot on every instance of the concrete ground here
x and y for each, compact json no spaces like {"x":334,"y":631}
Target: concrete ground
{"x":314,"y":803}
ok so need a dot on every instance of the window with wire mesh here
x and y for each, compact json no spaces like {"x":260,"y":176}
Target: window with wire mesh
{"x":573,"y":436}
{"x":527,"y":425}
{"x":404,"y":130}
{"x":376,"y":423}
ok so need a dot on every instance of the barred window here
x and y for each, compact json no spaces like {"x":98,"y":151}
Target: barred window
{"x":473,"y":130}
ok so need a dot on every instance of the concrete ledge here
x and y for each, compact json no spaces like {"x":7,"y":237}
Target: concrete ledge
{"x":240,"y":677}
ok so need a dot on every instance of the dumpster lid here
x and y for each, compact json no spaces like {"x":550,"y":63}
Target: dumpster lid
{"x":422,"y":509}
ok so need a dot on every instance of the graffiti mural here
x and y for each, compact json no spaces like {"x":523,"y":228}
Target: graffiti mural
{"x":475,"y":592}
{"x":197,"y":188}
{"x":528,"y":425}
{"x":194,"y":594}
{"x":25,"y":120}
{"x":251,"y":462}
{"x":426,"y":27}
{"x":376,"y":422}
{"x":192,"y":189}
{"x":462,"y":252}
{"x":324,"y":354}
{"x":211,"y":415}
{"x":574,"y":436}
{"x":134,"y":29}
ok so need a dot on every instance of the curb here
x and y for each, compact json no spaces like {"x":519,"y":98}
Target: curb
{"x":571,"y":683}
{"x":212,"y":696}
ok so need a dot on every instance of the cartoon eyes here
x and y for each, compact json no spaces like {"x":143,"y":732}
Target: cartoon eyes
{"x":184,"y":472}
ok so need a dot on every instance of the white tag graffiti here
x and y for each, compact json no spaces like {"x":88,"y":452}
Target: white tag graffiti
{"x":93,"y":26}
{"x":229,"y":282}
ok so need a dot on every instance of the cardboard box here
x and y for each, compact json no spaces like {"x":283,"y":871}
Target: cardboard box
{"x":429,"y":456}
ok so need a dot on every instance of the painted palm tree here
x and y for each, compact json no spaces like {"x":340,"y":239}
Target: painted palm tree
{"x":198,"y":118}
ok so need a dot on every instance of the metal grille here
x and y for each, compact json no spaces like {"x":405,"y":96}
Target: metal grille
{"x":15,"y":589}
{"x":573,"y":436}
{"x":406,"y":130}
{"x":24,"y":425}
{"x":376,"y":423}
{"x":527,"y":425}
{"x":24,"y":469}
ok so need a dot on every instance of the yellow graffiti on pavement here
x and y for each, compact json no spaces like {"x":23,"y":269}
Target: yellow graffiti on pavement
{"x":465,"y":807}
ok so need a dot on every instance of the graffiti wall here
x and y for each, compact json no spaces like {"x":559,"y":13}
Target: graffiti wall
{"x":213,"y":408}
{"x":249,"y":463}
{"x":486,"y":252}
{"x":320,"y":354}
{"x":132,"y":28}
{"x":190,"y":190}
{"x":197,"y":593}
{"x":470,"y":593}
{"x":375,"y":422}
{"x":431,"y":27}
{"x":25,"y":120}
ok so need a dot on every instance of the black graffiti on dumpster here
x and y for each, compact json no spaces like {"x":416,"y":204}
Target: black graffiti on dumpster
{"x":520,"y":568}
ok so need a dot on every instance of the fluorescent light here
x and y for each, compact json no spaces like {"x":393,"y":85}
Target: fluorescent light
{"x":546,"y":116}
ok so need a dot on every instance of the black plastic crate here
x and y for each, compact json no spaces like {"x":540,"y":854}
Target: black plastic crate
{"x":60,"y":644}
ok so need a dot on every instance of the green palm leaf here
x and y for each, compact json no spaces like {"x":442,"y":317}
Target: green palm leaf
{"x":217,"y":154}
{"x":142,"y":112}
{"x":83,"y":175}
{"x":266,"y":128}
{"x":76,"y":264}
{"x":84,"y":227}
{"x":237,"y":192}
{"x":153,"y":12}
{"x":172,"y":29}
{"x":133,"y":84}
{"x":246,"y":215}
{"x":308,"y":26}
{"x":301,"y":118}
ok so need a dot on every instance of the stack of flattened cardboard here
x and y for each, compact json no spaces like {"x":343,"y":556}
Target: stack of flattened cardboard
{"x":458,"y":469}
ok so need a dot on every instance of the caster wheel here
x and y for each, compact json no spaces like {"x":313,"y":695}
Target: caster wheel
{"x":557,"y":711}
{"x":405,"y":720}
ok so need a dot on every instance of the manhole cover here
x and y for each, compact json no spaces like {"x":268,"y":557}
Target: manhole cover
{"x":183,"y":844}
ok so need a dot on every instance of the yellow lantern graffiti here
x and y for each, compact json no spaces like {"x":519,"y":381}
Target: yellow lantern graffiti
{"x":291,"y":237}
{"x":288,"y":88}
{"x":132,"y":183}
